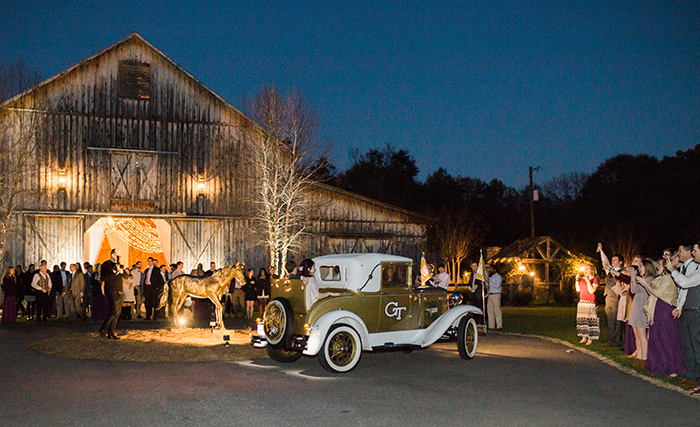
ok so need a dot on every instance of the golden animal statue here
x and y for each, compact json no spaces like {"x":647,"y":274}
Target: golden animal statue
{"x":211,"y":287}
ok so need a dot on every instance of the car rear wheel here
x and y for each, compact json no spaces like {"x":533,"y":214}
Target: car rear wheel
{"x":341,"y":350}
{"x":467,"y":338}
{"x":283,"y":355}
{"x":278,"y":322}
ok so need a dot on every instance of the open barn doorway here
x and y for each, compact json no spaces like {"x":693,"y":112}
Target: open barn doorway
{"x":138,"y":239}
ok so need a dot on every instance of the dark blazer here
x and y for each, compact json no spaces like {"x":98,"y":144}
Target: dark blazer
{"x":56,"y":282}
{"x":156,"y":277}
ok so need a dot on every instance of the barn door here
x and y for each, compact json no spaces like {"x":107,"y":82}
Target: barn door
{"x":134,"y":176}
{"x":197,"y":241}
{"x":54,"y":239}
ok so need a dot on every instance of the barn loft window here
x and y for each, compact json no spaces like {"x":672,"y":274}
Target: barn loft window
{"x":134,"y":80}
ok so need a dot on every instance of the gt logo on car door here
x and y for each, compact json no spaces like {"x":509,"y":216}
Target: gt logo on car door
{"x":392,"y":309}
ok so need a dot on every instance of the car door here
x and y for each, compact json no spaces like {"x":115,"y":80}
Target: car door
{"x":396,"y":312}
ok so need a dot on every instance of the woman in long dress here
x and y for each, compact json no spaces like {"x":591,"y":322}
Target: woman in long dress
{"x":637,"y":318}
{"x":664,"y":355}
{"x":100,"y":307}
{"x":587,"y":321}
{"x":9,"y":287}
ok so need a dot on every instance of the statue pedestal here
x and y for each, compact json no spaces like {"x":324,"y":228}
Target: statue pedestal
{"x":202,"y":310}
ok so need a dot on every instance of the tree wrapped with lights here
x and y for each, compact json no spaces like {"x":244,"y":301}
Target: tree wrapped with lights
{"x":285,"y":155}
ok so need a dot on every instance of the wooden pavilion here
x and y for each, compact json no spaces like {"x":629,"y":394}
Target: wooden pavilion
{"x":535,"y":257}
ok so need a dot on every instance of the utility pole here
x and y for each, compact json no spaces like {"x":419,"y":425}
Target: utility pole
{"x":532,"y":202}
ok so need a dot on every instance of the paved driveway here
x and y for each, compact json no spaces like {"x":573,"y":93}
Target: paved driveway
{"x":512,"y":381}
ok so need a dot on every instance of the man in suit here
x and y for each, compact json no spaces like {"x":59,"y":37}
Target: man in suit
{"x":688,"y":315}
{"x":152,"y":281}
{"x":56,"y":295}
{"x":138,"y":286}
{"x":74,"y":293}
{"x":212,"y":269}
{"x":112,"y":274}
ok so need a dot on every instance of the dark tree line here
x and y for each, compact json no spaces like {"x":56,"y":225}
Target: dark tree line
{"x":638,"y":200}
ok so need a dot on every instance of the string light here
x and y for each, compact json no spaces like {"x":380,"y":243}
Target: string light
{"x":141,"y":233}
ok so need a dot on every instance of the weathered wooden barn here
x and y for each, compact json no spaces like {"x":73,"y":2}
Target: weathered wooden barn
{"x":134,"y":151}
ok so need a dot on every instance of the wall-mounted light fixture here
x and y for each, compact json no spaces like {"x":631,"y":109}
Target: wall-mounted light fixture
{"x":62,"y":178}
{"x":200,"y":186}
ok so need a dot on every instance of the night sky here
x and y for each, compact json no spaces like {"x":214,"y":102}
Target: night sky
{"x":482,"y":89}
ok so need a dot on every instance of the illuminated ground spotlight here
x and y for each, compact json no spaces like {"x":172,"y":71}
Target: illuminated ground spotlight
{"x":181,"y":321}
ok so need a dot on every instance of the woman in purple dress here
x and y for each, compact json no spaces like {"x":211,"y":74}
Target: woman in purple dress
{"x":664,"y":355}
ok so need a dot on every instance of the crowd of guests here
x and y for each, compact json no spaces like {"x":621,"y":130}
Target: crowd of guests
{"x":652,"y":306}
{"x":78,"y":294}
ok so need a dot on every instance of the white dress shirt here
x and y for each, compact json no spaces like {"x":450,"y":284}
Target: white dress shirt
{"x":495,"y":283}
{"x":443,"y":280}
{"x":691,"y":267}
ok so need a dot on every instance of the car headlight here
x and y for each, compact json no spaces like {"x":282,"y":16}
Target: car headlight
{"x":454,"y":299}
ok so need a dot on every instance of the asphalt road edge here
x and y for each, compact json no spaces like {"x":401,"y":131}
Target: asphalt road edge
{"x":610,"y":362}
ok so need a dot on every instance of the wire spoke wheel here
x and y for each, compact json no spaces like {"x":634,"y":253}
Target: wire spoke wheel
{"x":341,"y":350}
{"x":467,"y":338}
{"x":278,"y":322}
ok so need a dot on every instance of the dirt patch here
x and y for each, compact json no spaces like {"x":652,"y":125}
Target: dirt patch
{"x":189,"y":345}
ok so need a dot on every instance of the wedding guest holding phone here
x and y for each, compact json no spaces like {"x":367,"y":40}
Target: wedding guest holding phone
{"x":587,"y":321}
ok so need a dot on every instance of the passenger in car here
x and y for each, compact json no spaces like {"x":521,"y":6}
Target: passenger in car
{"x":307,"y":269}
{"x":292,"y":271}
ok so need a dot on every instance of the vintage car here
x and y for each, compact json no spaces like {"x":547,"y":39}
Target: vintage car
{"x":373,"y":306}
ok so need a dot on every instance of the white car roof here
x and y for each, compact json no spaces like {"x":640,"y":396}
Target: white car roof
{"x":355,"y":269}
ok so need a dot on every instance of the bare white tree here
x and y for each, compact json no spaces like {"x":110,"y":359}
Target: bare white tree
{"x":286,"y":156}
{"x":21,"y":122}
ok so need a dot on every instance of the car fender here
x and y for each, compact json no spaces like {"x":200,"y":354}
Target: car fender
{"x":449,"y":319}
{"x":319,"y":330}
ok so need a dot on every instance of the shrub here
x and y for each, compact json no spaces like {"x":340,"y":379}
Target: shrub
{"x":522,"y":298}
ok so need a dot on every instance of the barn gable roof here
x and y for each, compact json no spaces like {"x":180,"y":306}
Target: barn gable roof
{"x":131,"y":38}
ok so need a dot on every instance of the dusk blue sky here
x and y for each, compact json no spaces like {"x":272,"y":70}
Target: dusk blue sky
{"x":482,"y":89}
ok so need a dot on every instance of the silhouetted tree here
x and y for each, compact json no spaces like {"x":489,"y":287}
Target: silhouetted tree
{"x":387,"y":175}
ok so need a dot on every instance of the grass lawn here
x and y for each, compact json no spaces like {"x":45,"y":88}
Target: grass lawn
{"x":560,"y":323}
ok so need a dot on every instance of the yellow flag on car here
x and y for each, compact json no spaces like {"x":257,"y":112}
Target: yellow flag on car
{"x":424,"y":271}
{"x":480,"y":270}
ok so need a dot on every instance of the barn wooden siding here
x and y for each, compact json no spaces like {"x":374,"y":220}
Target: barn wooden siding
{"x":349,"y":223}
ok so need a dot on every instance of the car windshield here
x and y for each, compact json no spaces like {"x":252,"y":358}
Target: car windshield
{"x":396,"y":275}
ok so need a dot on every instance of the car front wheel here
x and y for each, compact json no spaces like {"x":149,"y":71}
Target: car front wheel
{"x":467,"y":338}
{"x":341,"y":350}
